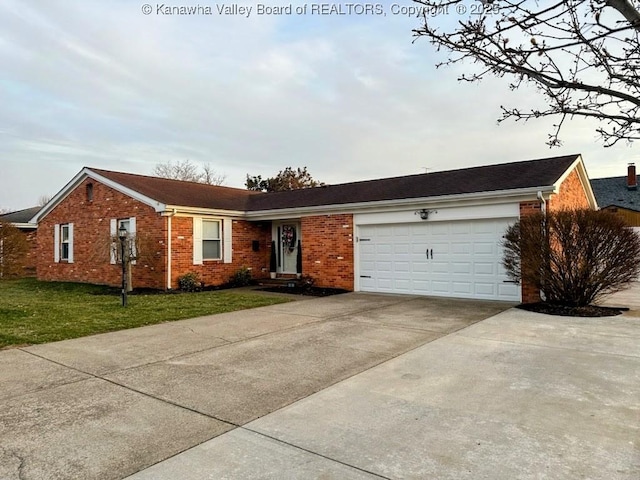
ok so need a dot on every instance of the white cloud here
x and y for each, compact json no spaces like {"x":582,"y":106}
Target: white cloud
{"x":101,"y":84}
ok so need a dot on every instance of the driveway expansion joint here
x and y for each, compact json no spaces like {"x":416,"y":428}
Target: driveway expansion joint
{"x":325,"y":457}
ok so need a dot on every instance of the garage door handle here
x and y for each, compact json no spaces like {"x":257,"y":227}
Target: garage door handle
{"x":431,"y":253}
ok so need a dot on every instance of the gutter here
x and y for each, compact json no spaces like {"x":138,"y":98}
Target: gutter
{"x":500,"y":196}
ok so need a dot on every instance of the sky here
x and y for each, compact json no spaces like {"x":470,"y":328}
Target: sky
{"x":124,"y":85}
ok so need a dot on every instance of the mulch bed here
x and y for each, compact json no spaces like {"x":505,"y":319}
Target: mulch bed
{"x":565,"y":311}
{"x":311,"y":291}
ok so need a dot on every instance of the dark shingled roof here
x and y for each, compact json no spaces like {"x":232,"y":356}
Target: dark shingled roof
{"x":20,"y":216}
{"x":185,"y":194}
{"x":508,"y":176}
{"x":613,"y":191}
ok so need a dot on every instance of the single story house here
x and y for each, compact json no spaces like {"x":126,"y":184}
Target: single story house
{"x":428,"y":234}
{"x":21,"y":219}
{"x":620,"y":195}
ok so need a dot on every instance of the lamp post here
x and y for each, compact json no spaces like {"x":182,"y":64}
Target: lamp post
{"x":122,"y":235}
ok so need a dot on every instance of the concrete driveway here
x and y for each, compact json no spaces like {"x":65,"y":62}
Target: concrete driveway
{"x":107,"y":406}
{"x":319,"y":389}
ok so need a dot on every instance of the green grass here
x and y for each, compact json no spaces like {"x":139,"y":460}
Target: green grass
{"x":38,"y":312}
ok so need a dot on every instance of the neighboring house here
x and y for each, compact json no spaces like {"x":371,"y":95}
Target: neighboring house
{"x":430,"y":234}
{"x":620,"y":195}
{"x":21,"y":219}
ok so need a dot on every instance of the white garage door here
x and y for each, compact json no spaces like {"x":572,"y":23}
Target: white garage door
{"x":450,"y":259}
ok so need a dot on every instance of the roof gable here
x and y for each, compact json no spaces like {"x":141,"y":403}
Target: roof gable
{"x":182,"y":193}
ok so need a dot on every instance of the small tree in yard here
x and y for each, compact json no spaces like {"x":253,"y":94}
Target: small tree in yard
{"x":573,"y":256}
{"x":13,"y":251}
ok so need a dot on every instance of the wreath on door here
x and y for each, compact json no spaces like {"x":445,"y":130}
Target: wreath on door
{"x":289,"y":237}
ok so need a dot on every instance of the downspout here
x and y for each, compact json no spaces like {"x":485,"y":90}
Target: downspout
{"x":544,"y":203}
{"x":543,"y":209}
{"x":169,"y":248}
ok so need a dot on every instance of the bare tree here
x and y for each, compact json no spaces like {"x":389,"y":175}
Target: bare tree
{"x":573,"y":256}
{"x":211,"y":177}
{"x":43,"y":200}
{"x":187,"y":171}
{"x":582,"y":55}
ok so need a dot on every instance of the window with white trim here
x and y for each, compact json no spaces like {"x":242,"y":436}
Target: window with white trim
{"x":211,"y":240}
{"x":63,"y":242}
{"x":129,"y":225}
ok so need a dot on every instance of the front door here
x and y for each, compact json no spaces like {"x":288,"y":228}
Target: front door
{"x":288,"y":235}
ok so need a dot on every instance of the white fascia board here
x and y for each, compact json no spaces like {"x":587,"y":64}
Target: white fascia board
{"x":181,"y":211}
{"x":88,"y":173}
{"x":493,"y":197}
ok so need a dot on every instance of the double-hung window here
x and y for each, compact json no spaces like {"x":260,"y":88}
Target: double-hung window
{"x":211,"y":241}
{"x":63,"y":242}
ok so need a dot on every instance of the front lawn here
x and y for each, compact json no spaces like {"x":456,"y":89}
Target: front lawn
{"x":38,"y":312}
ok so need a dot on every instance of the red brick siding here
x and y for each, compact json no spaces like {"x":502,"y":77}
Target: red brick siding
{"x":32,"y":253}
{"x":327,"y":250}
{"x":216,"y":272}
{"x":571,"y":194}
{"x":530,"y":294}
{"x":91,"y":232}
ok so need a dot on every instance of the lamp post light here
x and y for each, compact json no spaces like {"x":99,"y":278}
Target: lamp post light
{"x":122,"y":235}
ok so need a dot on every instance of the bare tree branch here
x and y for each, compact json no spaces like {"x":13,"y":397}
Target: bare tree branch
{"x":583,"y":56}
{"x":187,"y":171}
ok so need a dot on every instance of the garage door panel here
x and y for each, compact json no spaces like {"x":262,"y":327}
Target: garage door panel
{"x":484,"y":248}
{"x":461,"y":248}
{"x":465,"y":288}
{"x":440,"y":267}
{"x":485,"y":289}
{"x":461,"y":267}
{"x":400,"y":266}
{"x":484,"y":268}
{"x":441,"y":287}
{"x":466,"y":259}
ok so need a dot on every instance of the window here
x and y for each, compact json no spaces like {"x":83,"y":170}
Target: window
{"x":89,"y":192}
{"x":212,"y":239}
{"x":129,"y":225}
{"x":63,"y":242}
{"x":126,"y":223}
{"x":211,"y":244}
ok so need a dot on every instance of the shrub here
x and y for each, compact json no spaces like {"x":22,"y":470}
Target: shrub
{"x":189,"y":282}
{"x":13,"y":251}
{"x":241,"y":278}
{"x":573,"y":256}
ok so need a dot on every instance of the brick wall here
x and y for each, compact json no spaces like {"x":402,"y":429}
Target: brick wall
{"x":571,"y":194}
{"x":32,"y":254}
{"x":327,"y":250}
{"x":91,"y":242}
{"x":216,"y":272}
{"x":530,"y":294}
